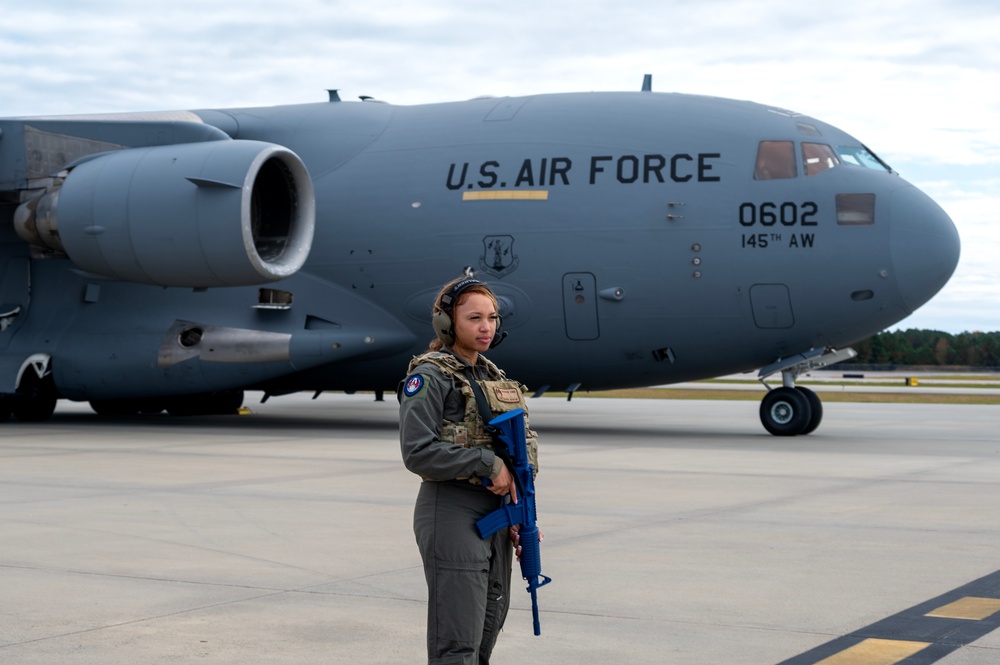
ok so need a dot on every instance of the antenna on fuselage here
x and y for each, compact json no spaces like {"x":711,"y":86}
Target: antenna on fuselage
{"x":647,"y":83}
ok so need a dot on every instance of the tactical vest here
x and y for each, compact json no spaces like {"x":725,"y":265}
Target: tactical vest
{"x":502,"y":394}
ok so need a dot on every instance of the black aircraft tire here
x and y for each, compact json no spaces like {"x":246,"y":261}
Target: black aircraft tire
{"x":151,"y":407}
{"x":114,"y":407}
{"x":185,"y":405}
{"x":785,"y":412}
{"x":815,"y":409}
{"x":34,"y":408}
{"x":226,"y":402}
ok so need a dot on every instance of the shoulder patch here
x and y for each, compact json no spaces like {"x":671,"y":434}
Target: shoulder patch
{"x":414,"y":384}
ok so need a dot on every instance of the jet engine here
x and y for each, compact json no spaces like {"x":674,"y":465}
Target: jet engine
{"x":218,"y":213}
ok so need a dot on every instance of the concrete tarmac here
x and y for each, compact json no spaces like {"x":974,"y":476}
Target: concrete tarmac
{"x":675,"y":532}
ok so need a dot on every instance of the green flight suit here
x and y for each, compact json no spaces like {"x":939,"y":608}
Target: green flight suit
{"x":468,"y":578}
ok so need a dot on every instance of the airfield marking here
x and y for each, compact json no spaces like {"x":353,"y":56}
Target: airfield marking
{"x":921,"y":635}
{"x":876,"y":652}
{"x":971,"y":609}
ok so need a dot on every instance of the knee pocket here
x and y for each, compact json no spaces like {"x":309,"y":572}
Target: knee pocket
{"x":460,"y":594}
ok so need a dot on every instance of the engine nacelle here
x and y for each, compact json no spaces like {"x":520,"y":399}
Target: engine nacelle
{"x":219,"y":213}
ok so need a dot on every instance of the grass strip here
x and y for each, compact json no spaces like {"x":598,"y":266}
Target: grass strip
{"x":755,"y":396}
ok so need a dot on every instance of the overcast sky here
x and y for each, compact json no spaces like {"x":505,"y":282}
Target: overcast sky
{"x":917,"y":81}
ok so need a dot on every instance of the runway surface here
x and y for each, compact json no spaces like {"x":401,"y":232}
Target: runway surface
{"x":675,"y":532}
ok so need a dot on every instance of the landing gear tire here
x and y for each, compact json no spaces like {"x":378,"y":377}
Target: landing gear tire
{"x":815,"y":409}
{"x":785,"y":412}
{"x":114,"y":407}
{"x":36,"y":394}
{"x":34,"y":408}
{"x":125,"y":407}
{"x":151,"y":407}
{"x":226,"y":402}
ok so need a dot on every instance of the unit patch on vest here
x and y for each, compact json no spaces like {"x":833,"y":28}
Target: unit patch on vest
{"x":508,"y":395}
{"x":414,"y":384}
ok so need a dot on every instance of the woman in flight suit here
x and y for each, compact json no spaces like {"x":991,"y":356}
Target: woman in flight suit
{"x":444,"y":442}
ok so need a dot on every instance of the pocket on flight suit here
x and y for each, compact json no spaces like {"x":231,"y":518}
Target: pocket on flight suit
{"x":460,"y":603}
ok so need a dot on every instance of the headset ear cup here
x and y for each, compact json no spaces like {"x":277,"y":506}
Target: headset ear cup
{"x":442,"y":328}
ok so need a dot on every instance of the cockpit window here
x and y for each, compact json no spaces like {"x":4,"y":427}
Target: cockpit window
{"x":859,"y":155}
{"x":775,"y":160}
{"x":818,"y":157}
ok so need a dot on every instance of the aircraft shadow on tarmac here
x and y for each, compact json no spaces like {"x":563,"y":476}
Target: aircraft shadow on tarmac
{"x":385,"y":424}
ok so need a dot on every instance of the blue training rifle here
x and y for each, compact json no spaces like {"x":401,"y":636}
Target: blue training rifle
{"x":522,"y":514}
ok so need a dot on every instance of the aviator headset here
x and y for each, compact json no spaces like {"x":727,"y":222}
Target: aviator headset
{"x":442,"y":318}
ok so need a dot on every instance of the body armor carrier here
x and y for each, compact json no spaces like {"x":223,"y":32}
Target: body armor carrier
{"x":502,"y":394}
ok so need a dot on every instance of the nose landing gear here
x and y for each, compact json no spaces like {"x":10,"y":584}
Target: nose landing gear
{"x":793,"y":410}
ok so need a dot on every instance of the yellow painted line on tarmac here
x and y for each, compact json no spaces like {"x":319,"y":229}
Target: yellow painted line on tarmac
{"x":875,"y":651}
{"x":920,"y":635}
{"x":968,"y":608}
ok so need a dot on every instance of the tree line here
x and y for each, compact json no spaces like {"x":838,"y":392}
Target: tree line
{"x":929,"y":347}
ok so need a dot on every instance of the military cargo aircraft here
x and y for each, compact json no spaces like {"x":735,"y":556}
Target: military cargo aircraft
{"x":173,"y":260}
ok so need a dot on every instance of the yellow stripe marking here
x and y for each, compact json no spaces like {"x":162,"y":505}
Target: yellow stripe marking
{"x":507,"y":195}
{"x":971,"y":608}
{"x":875,"y":652}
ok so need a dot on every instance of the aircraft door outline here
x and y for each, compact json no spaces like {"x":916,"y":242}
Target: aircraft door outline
{"x":580,"y":306}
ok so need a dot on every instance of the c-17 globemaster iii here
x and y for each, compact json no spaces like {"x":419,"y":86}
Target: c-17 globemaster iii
{"x":173,"y":260}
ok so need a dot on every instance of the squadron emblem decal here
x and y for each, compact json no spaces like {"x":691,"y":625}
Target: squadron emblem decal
{"x":498,"y":258}
{"x":413,"y":385}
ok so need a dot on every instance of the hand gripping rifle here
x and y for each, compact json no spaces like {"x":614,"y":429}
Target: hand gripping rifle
{"x":512,"y":447}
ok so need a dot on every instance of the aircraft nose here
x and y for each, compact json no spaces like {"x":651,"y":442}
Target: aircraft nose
{"x":924,"y":246}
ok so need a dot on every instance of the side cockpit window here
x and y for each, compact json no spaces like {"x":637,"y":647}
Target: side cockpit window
{"x":859,"y":155}
{"x":775,"y":160}
{"x":818,"y":157}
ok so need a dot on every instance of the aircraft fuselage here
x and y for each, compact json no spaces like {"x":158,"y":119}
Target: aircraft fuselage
{"x":633,"y":239}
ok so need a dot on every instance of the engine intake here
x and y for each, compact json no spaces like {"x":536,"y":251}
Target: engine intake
{"x":219,"y":213}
